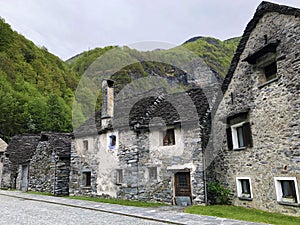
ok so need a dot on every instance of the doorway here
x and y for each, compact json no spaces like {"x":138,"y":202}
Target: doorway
{"x":182,"y":185}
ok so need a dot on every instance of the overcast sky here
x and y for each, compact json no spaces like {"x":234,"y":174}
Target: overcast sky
{"x":68,"y":27}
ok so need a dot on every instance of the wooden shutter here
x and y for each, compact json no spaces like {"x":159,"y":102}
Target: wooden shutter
{"x":229,"y":138}
{"x":247,"y":135}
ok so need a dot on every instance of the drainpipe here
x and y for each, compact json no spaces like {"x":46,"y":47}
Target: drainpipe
{"x":205,"y":179}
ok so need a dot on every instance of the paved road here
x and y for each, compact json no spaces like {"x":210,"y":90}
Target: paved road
{"x":26,"y":212}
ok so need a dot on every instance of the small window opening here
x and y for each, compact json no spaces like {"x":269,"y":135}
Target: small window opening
{"x":86,"y":178}
{"x":288,"y":189}
{"x":85,"y":145}
{"x":169,"y":138}
{"x":270,"y":71}
{"x":152,"y":173}
{"x":119,"y":176}
{"x":112,"y":142}
{"x":244,"y":188}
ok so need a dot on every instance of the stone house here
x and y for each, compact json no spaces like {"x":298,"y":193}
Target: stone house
{"x":146,"y":147}
{"x":260,"y":158}
{"x":3,"y":146}
{"x":38,"y":163}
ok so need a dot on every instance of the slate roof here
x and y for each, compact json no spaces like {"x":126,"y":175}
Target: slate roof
{"x":90,"y":127}
{"x":59,"y":142}
{"x":262,"y":9}
{"x":177,"y":108}
{"x":21,"y":148}
{"x":3,"y":145}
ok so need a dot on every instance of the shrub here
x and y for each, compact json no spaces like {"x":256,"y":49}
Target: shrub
{"x":218,"y":194}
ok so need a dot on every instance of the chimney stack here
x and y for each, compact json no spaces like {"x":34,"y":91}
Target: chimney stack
{"x":107,"y":111}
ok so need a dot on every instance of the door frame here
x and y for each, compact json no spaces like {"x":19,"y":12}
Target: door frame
{"x":174,"y":185}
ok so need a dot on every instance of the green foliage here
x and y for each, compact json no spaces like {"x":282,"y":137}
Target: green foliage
{"x":217,"y":54}
{"x":29,"y":77}
{"x":242,"y":213}
{"x":37,"y":88}
{"x":218,"y":194}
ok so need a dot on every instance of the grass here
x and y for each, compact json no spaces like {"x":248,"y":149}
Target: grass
{"x":241,"y":213}
{"x":118,"y":201}
{"x":106,"y":200}
{"x":40,"y":193}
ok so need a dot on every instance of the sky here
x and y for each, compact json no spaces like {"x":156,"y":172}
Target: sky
{"x":69,"y":27}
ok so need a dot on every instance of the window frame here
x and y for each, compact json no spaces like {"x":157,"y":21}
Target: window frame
{"x":239,"y":185}
{"x":279,"y":191}
{"x":233,"y":136}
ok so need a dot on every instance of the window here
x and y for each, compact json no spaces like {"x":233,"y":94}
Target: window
{"x":119,"y":176}
{"x":239,"y":136}
{"x":169,"y":138}
{"x":286,"y":190}
{"x":152,"y":173}
{"x":264,"y":60}
{"x":112,"y":142}
{"x":85,"y":145}
{"x":270,"y":71}
{"x":86,"y":178}
{"x":244,"y":189}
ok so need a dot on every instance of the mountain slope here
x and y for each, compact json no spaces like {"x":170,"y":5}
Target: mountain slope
{"x":36,"y":87}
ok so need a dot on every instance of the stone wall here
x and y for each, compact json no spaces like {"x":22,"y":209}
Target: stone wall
{"x":273,"y":110}
{"x":49,"y":168}
{"x":84,"y":160}
{"x":140,"y":151}
{"x":5,"y":175}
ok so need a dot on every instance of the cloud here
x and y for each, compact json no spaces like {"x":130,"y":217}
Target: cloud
{"x":68,"y":27}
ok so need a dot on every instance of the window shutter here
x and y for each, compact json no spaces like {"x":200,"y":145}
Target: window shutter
{"x":247,"y":135}
{"x":229,"y":138}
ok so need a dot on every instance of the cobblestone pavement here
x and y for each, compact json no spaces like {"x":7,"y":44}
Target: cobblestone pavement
{"x":22,"y":208}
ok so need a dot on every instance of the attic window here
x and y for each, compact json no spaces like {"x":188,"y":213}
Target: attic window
{"x":265,"y":61}
{"x":169,"y":138}
{"x":270,"y":71}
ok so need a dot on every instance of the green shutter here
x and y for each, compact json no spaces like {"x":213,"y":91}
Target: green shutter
{"x":247,"y":135}
{"x":229,"y":138}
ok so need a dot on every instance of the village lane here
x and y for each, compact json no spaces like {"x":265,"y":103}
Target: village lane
{"x":24,"y":212}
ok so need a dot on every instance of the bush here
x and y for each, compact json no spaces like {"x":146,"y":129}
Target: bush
{"x":218,"y":194}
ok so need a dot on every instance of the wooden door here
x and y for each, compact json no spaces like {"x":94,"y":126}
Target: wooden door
{"x":183,"y":184}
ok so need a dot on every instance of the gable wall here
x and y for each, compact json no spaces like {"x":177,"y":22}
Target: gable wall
{"x":274,"y":116}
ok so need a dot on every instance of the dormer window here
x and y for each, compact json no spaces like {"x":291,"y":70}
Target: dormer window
{"x":270,"y":71}
{"x":265,"y":62}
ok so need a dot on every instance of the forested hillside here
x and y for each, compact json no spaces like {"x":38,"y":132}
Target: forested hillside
{"x":37,"y":88}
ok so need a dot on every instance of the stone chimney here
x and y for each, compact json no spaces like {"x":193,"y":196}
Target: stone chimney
{"x":107,"y":111}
